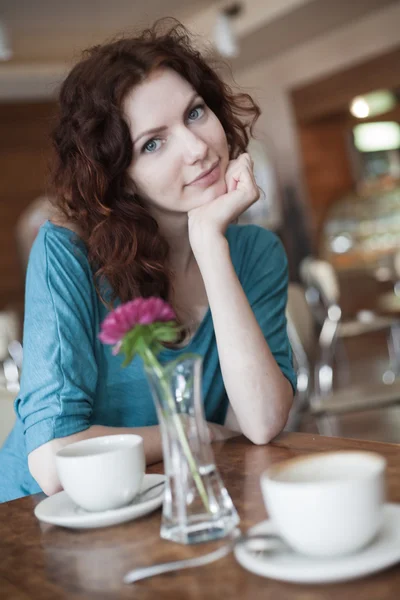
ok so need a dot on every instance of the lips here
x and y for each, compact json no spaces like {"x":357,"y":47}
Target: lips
{"x":205,"y":175}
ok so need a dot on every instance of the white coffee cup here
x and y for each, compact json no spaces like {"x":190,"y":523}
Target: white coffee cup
{"x":326,"y":504}
{"x":102,"y":473}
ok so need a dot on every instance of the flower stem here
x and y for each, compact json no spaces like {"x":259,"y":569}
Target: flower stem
{"x":152,"y":362}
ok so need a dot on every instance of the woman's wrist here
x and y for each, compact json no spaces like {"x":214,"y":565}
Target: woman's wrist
{"x":209,"y":247}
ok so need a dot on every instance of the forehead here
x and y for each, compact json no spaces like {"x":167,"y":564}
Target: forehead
{"x":152,"y":102}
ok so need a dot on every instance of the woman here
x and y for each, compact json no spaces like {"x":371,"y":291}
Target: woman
{"x":151,"y":171}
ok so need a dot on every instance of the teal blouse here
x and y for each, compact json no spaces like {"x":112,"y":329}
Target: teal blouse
{"x":70,"y":380}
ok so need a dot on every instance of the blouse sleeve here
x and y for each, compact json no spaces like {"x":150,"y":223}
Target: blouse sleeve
{"x":59,"y":373}
{"x":264,"y":276}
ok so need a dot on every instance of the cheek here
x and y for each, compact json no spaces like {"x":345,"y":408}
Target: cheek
{"x":157,"y":179}
{"x":148,"y":177}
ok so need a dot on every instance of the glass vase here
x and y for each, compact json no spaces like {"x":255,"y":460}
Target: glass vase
{"x":197,"y":506}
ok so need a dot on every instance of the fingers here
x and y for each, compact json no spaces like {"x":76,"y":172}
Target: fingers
{"x":232,"y":176}
{"x":231,"y":183}
{"x":239,"y":171}
{"x":240,"y":177}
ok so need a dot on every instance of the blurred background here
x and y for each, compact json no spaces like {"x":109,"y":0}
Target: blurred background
{"x":327,"y":158}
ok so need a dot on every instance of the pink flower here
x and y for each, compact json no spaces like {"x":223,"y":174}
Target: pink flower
{"x":141,"y":311}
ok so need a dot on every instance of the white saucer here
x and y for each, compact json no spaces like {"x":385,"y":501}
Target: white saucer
{"x":61,"y":510}
{"x":287,"y":565}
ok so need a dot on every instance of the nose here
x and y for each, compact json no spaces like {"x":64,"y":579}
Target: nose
{"x":194,"y":148}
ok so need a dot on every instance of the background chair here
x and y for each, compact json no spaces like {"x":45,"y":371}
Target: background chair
{"x":302,"y":336}
{"x":323,"y":296}
{"x":26,"y":231}
{"x":10,"y":351}
{"x":390,"y":271}
{"x":7,"y":414}
{"x":314,"y":359}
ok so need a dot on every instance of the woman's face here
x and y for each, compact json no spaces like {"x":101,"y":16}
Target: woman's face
{"x":180,"y":151}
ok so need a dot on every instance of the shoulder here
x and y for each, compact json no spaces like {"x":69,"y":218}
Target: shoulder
{"x":60,"y":236}
{"x":58,"y":260}
{"x":55,"y":244}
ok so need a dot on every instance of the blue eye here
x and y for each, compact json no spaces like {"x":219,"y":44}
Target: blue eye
{"x":151,"y":145}
{"x":196,"y":113}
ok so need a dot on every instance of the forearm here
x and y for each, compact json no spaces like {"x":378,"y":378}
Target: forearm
{"x":42,"y":460}
{"x":259,"y":393}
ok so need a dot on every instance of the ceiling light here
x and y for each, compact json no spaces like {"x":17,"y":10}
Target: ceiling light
{"x":377,"y":137}
{"x":225,"y":38}
{"x":359,"y":108}
{"x":372,"y":104}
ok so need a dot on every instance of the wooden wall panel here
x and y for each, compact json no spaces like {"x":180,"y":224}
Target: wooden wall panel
{"x":25,"y":152}
{"x":334,"y":92}
{"x":326,"y":165}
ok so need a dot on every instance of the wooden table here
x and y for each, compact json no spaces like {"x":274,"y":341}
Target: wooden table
{"x":45,"y":562}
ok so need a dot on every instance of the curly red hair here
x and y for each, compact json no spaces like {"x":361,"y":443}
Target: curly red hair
{"x":93,"y":150}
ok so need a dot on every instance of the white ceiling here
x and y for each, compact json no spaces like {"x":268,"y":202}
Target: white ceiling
{"x":55,"y":30}
{"x":305,"y":22}
{"x":45,"y":31}
{"x":47,"y":35}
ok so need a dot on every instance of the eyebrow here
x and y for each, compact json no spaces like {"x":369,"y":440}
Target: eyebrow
{"x":164,"y":127}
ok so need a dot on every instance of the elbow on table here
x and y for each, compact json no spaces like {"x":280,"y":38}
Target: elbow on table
{"x":264,"y":434}
{"x":261,"y":437}
{"x":50,"y":487}
{"x":42,"y":468}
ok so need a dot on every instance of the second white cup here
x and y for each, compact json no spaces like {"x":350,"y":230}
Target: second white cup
{"x":326,"y":504}
{"x":102,"y":473}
